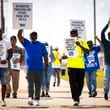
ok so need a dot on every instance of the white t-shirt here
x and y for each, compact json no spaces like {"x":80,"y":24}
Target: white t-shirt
{"x":63,"y":63}
{"x":4,"y":46}
{"x":49,"y":53}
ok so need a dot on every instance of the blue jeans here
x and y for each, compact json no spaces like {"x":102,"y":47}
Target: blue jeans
{"x":106,"y":79}
{"x":47,"y":77}
{"x":56,"y":74}
{"x":91,"y":81}
{"x":3,"y":75}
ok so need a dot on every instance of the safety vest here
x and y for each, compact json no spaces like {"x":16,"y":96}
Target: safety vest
{"x":57,"y":58}
{"x":78,"y":61}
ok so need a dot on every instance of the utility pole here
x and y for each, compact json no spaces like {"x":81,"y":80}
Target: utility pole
{"x":0,"y":14}
{"x":2,"y":24}
{"x":94,"y":10}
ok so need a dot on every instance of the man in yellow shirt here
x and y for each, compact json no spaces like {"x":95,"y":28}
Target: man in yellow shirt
{"x":76,"y":67}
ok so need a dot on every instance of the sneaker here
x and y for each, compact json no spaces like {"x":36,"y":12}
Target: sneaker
{"x":30,"y":101}
{"x":76,"y":103}
{"x":94,"y":94}
{"x":90,"y":95}
{"x":14,"y":96}
{"x":43,"y":94}
{"x":3,"y":103}
{"x":7,"y":95}
{"x":54,"y":84}
{"x":36,"y":103}
{"x":58,"y":85}
{"x":106,"y":96}
{"x":47,"y":95}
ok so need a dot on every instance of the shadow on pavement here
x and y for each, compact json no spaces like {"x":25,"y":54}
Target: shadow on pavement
{"x":31,"y":107}
{"x":87,"y":106}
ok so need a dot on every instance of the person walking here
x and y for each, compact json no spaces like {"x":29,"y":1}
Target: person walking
{"x":14,"y":68}
{"x":91,"y":66}
{"x":35,"y":52}
{"x":5,"y":55}
{"x":63,"y":64}
{"x":47,"y":75}
{"x":56,"y":66}
{"x":106,"y":47}
{"x":76,"y":66}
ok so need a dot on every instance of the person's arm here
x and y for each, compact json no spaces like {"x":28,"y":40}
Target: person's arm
{"x":103,"y":31}
{"x":22,"y":56}
{"x":9,"y":56}
{"x":86,"y":50}
{"x":19,"y":35}
{"x":100,"y":42}
{"x":46,"y":62}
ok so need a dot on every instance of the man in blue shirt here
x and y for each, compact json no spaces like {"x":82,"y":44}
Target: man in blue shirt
{"x":91,"y":67}
{"x":35,"y":52}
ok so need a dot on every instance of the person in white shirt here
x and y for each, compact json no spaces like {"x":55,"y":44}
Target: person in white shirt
{"x":5,"y":55}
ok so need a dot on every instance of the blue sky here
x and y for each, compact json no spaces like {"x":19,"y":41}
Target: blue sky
{"x":51,"y":18}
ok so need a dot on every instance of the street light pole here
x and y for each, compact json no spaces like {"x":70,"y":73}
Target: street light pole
{"x":94,"y":8}
{"x":2,"y":17}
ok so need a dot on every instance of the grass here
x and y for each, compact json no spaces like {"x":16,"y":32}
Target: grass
{"x":100,"y":78}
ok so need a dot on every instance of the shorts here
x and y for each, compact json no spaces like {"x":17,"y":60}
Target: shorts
{"x":3,"y":75}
